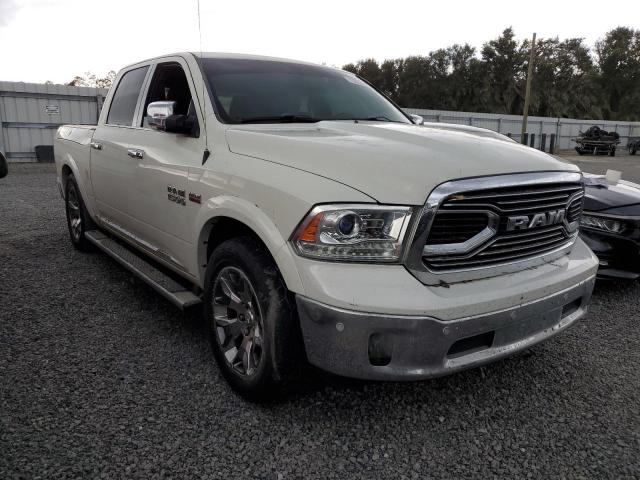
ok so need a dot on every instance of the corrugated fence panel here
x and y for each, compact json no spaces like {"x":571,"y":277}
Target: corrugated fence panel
{"x":23,"y":140}
{"x":30,"y":114}
{"x":565,"y":129}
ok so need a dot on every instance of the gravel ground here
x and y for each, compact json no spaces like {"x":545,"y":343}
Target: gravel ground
{"x":101,"y":377}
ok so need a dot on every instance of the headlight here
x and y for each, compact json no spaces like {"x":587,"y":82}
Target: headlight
{"x":353,"y":232}
{"x":605,"y":224}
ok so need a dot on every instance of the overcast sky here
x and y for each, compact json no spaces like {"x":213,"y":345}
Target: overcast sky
{"x":56,"y":39}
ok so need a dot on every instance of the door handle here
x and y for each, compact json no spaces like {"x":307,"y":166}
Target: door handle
{"x":135,"y":153}
{"x":96,"y":145}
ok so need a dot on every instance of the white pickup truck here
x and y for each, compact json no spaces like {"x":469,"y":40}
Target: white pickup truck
{"x":316,"y":222}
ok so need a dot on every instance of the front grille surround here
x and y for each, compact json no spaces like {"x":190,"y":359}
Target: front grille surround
{"x":502,"y":196}
{"x":505,"y":245}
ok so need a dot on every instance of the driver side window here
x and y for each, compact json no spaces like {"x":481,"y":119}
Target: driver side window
{"x":169,"y":82}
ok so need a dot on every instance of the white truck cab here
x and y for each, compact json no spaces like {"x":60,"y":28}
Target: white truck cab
{"x":315,"y":221}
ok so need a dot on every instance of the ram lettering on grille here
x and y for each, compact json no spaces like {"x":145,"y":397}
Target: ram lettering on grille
{"x":533,"y":220}
{"x":525,"y":222}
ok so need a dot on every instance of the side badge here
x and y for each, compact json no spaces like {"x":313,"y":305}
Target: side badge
{"x":195,"y":197}
{"x":176,"y":195}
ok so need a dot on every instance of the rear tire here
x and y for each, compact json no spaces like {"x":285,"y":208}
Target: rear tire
{"x":78,"y":219}
{"x":252,"y":320}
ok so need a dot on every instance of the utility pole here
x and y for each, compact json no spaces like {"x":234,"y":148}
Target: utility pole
{"x":527,"y":93}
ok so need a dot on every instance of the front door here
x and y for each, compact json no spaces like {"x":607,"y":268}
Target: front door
{"x":162,"y":204}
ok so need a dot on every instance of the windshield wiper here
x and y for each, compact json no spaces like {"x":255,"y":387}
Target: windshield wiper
{"x":287,"y":118}
{"x":380,"y":118}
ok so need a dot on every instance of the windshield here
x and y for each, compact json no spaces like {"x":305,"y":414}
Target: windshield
{"x":266,"y":91}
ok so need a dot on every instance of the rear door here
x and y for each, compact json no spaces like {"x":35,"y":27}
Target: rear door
{"x":113,"y":164}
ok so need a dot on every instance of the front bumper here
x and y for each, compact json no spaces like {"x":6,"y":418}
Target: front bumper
{"x":405,"y":347}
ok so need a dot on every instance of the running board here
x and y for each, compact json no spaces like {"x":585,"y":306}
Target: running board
{"x":166,"y":286}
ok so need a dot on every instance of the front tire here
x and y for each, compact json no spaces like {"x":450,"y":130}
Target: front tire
{"x":78,"y":219}
{"x":252,"y":320}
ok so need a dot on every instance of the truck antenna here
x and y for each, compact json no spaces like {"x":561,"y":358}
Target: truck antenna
{"x":206,"y":153}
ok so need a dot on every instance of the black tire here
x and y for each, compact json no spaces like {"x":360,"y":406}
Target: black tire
{"x":580,"y":151}
{"x":632,"y":149}
{"x":612,"y":152}
{"x":281,"y":350}
{"x":76,"y":210}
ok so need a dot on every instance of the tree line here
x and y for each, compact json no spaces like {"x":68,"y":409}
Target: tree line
{"x":570,"y":79}
{"x":92,"y":80}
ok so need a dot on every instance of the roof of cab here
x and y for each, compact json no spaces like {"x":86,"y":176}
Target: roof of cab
{"x":245,"y":56}
{"x":223,"y":55}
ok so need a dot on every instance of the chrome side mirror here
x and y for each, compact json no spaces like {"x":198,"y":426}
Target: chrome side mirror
{"x":157,"y":113}
{"x":417,"y":119}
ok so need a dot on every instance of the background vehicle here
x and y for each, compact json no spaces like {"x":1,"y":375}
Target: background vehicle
{"x":3,"y":165}
{"x":597,"y":142}
{"x":324,"y":224}
{"x":610,"y":225}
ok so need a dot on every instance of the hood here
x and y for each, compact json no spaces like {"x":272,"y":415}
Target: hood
{"x":390,"y":162}
{"x":481,"y":132}
{"x":620,"y":198}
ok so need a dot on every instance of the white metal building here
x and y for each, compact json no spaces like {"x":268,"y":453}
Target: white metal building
{"x":30,"y":113}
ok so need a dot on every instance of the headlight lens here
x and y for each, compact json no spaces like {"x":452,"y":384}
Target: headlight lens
{"x":602,"y":223}
{"x":353,"y":233}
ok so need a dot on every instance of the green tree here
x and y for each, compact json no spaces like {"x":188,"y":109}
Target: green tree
{"x":567,"y":82}
{"x":618,"y":55}
{"x":504,"y":62}
{"x":91,"y":80}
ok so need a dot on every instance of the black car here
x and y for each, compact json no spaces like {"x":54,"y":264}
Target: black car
{"x":610,"y":225}
{"x":3,"y":165}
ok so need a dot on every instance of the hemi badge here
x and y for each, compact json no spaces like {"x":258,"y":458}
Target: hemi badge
{"x":195,"y":198}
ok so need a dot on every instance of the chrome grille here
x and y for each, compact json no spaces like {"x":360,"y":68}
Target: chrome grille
{"x":575,"y":209}
{"x":453,"y":227}
{"x":452,"y":223}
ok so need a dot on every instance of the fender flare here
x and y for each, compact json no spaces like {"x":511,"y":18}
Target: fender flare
{"x":253,"y":217}
{"x":70,"y":162}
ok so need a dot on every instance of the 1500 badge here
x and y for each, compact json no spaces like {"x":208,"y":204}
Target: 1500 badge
{"x":176,"y":195}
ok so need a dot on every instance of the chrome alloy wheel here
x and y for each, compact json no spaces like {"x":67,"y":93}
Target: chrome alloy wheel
{"x":238,"y":320}
{"x":73,"y":210}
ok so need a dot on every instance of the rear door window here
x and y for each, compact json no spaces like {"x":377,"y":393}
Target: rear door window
{"x":125,"y":99}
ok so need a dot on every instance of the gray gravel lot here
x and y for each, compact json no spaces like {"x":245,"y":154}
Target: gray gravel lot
{"x":102,"y":378}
